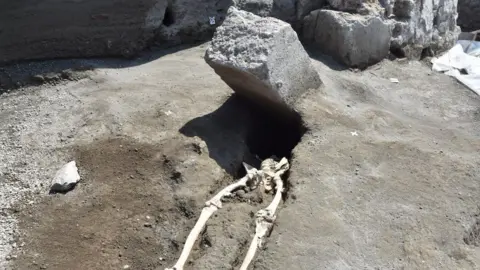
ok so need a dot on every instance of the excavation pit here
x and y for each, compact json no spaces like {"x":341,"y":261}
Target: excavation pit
{"x":270,"y":134}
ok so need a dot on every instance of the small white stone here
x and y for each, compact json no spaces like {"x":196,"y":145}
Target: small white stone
{"x":126,"y":266}
{"x":65,"y":178}
{"x":394,"y":80}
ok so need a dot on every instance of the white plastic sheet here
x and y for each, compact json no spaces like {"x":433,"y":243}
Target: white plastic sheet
{"x":456,"y":61}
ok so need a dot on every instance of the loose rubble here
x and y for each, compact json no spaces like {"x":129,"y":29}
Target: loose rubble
{"x":261,"y":58}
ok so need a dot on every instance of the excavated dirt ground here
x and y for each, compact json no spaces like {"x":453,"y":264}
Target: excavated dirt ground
{"x":154,"y":138}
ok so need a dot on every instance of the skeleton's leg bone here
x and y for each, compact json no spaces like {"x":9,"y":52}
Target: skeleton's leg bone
{"x":192,"y":237}
{"x":266,"y":217}
{"x":211,"y":206}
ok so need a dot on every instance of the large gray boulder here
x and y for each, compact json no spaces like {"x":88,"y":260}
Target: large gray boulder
{"x":261,"y":58}
{"x":468,"y":15}
{"x":355,"y":40}
{"x":420,"y":27}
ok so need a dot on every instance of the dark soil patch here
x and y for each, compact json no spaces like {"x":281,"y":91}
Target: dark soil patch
{"x":122,"y":213}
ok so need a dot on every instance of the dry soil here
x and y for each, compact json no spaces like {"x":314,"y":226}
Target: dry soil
{"x":385,"y":177}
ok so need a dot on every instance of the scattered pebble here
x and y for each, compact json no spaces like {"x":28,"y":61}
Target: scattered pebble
{"x":394,"y":80}
{"x":126,"y":266}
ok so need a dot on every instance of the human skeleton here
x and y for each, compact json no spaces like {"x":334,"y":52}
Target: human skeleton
{"x":270,"y":175}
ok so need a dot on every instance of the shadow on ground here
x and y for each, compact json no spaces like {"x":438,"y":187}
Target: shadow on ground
{"x":328,"y":60}
{"x":224,"y":131}
{"x":20,"y":74}
{"x":240,"y":131}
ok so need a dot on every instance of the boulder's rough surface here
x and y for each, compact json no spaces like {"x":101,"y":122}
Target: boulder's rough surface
{"x":63,"y":28}
{"x":423,"y":26}
{"x":468,"y":15}
{"x":261,"y":58}
{"x":353,"y":39}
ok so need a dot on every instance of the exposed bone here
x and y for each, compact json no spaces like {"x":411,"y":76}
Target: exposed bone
{"x":266,"y":217}
{"x":212,"y":205}
{"x":268,"y":170}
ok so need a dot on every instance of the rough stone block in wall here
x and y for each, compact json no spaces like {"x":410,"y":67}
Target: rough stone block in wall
{"x":364,"y":7}
{"x":261,"y":58}
{"x":63,"y":28}
{"x":304,"y":7}
{"x":189,"y":20}
{"x":469,"y":15}
{"x":290,"y":11}
{"x":353,"y":39}
{"x":60,"y":28}
{"x":346,"y":5}
{"x":280,"y":9}
{"x":423,"y":26}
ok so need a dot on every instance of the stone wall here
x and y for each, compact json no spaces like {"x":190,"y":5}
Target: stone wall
{"x":423,"y":27}
{"x":40,"y":29}
{"x":32,"y":29}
